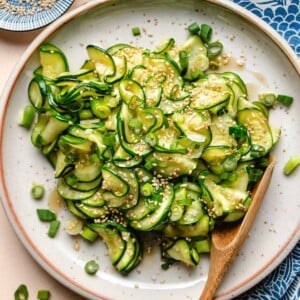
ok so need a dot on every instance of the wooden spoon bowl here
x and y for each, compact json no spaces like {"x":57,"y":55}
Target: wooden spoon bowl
{"x":226,"y":241}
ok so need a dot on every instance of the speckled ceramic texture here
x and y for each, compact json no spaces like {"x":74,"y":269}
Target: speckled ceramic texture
{"x":268,"y":64}
{"x":30,"y":21}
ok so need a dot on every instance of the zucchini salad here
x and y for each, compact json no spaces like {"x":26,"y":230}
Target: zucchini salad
{"x":152,"y":141}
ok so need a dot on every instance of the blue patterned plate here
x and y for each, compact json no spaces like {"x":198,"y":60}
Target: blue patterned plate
{"x":16,"y":15}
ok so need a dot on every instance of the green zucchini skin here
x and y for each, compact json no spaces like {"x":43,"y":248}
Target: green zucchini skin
{"x":149,"y":141}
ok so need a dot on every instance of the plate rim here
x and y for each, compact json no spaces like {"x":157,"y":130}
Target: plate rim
{"x":51,"y":29}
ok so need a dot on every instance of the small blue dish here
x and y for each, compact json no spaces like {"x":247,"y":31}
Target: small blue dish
{"x":30,"y":15}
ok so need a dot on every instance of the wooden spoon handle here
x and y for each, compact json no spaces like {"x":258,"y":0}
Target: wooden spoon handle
{"x":219,"y":264}
{"x":226,"y":242}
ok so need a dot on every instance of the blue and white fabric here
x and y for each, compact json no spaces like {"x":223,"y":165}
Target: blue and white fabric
{"x":284,"y":282}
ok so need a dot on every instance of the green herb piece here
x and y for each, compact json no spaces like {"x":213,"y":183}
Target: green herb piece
{"x":43,"y":295}
{"x":91,"y":267}
{"x":21,"y":292}
{"x":194,"y":28}
{"x":214,"y":49}
{"x":291,"y":165}
{"x":136,"y":31}
{"x":183,"y":61}
{"x":285,"y":100}
{"x":26,"y":116}
{"x":268,"y":99}
{"x":37,"y":191}
{"x":147,"y":189}
{"x":100,"y":109}
{"x":46,"y":215}
{"x":89,"y":234}
{"x":53,"y":228}
{"x":85,"y":114}
{"x":206,"y":33}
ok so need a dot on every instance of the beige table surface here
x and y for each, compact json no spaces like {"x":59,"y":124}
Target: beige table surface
{"x":16,"y":264}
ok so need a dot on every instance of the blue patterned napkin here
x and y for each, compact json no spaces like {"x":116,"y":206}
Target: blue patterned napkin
{"x":284,"y":16}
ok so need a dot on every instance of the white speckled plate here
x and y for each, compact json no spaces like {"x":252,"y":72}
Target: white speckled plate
{"x":24,"y":15}
{"x":268,"y":65}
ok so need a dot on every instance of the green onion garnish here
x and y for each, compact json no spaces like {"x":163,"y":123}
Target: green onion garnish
{"x":238,"y":131}
{"x":147,"y":189}
{"x":136,"y":31}
{"x":214,"y":49}
{"x":37,"y":191}
{"x":285,"y":100}
{"x":89,"y":234}
{"x":268,"y":99}
{"x":254,"y":174}
{"x":194,"y":28}
{"x":205,"y":33}
{"x":91,"y":267}
{"x":53,"y":228}
{"x":21,"y":292}
{"x":43,"y":295}
{"x":183,"y":61}
{"x":26,"y":116}
{"x":291,"y":164}
{"x":46,"y":215}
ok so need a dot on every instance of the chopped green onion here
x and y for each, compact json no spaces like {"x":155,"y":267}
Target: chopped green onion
{"x":99,"y":109}
{"x":43,"y":295}
{"x":89,"y":234}
{"x":85,"y":114}
{"x":91,"y":267}
{"x":291,"y":164}
{"x":183,"y":61}
{"x":46,"y":215}
{"x":254,"y":174}
{"x":214,"y":49}
{"x":147,"y":189}
{"x":53,"y":228}
{"x":268,"y":99}
{"x":194,"y":28}
{"x":26,"y":116}
{"x":238,"y":131}
{"x":205,"y":33}
{"x":21,"y":292}
{"x":136,"y":31}
{"x":37,"y":191}
{"x":285,"y":100}
{"x":135,"y":125}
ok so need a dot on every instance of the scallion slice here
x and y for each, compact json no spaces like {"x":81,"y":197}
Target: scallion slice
{"x":45,"y":215}
{"x":21,"y":292}
{"x":194,"y":28}
{"x":285,"y":100}
{"x":37,"y":191}
{"x":91,"y":267}
{"x":291,"y":164}
{"x":43,"y":295}
{"x":214,"y":49}
{"x":136,"y":31}
{"x":53,"y":228}
{"x":26,"y":116}
{"x":206,"y":33}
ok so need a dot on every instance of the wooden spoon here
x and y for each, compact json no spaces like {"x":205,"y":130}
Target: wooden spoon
{"x":227,"y":241}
